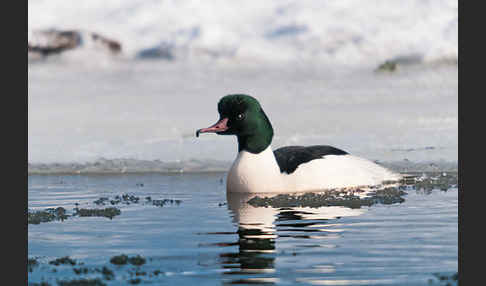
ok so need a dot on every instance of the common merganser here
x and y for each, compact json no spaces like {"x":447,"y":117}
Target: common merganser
{"x":291,"y":169}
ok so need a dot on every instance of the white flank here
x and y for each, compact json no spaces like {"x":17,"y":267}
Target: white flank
{"x":259,"y":173}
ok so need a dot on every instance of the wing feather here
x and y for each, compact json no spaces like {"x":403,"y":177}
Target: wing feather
{"x":290,"y":157}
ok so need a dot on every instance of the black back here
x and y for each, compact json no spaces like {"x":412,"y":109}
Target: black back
{"x":290,"y":157}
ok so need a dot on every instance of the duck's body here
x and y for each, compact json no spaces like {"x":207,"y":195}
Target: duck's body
{"x":292,"y":169}
{"x":261,"y":173}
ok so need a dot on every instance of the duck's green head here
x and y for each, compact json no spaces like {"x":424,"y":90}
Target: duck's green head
{"x":242,"y":115}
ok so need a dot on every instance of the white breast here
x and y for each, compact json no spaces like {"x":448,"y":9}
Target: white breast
{"x":255,"y":173}
{"x":259,"y":173}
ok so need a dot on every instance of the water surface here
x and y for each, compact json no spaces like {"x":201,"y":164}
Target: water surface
{"x":210,"y":238}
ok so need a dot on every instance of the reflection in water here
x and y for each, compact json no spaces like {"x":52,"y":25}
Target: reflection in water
{"x":257,"y":235}
{"x":256,"y":243}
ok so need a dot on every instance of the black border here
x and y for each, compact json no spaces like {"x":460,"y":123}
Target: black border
{"x":14,"y":118}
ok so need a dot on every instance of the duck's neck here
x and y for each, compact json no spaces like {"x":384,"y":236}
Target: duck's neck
{"x":253,"y":144}
{"x":259,"y":139}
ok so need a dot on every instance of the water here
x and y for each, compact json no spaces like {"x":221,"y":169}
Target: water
{"x":211,"y":238}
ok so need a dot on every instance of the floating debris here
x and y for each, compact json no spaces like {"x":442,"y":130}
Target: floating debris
{"x":124,"y":259}
{"x":161,"y":203}
{"x":136,"y":260}
{"x":81,"y":282}
{"x":104,"y":272}
{"x":60,"y":214}
{"x":107,"y":273}
{"x":445,"y":279}
{"x":135,"y":281}
{"x":128,"y":199}
{"x":31,"y":264}
{"x":47,"y":215}
{"x":346,"y":198}
{"x":353,"y":198}
{"x":63,"y":260}
{"x":81,"y":270}
{"x":110,"y":212}
{"x":124,"y":199}
{"x":441,"y":181}
{"x":43,"y":283}
{"x":101,"y":201}
{"x":119,"y":260}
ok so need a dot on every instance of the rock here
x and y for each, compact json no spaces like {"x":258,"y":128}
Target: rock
{"x":48,"y":42}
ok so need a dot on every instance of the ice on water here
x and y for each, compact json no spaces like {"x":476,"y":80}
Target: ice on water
{"x":311,"y":65}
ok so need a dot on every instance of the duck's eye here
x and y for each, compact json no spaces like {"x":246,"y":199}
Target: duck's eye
{"x":240,"y":116}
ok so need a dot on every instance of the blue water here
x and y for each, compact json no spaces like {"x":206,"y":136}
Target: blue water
{"x":212,"y":239}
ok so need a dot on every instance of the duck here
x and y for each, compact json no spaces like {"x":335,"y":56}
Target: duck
{"x":289,"y":169}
